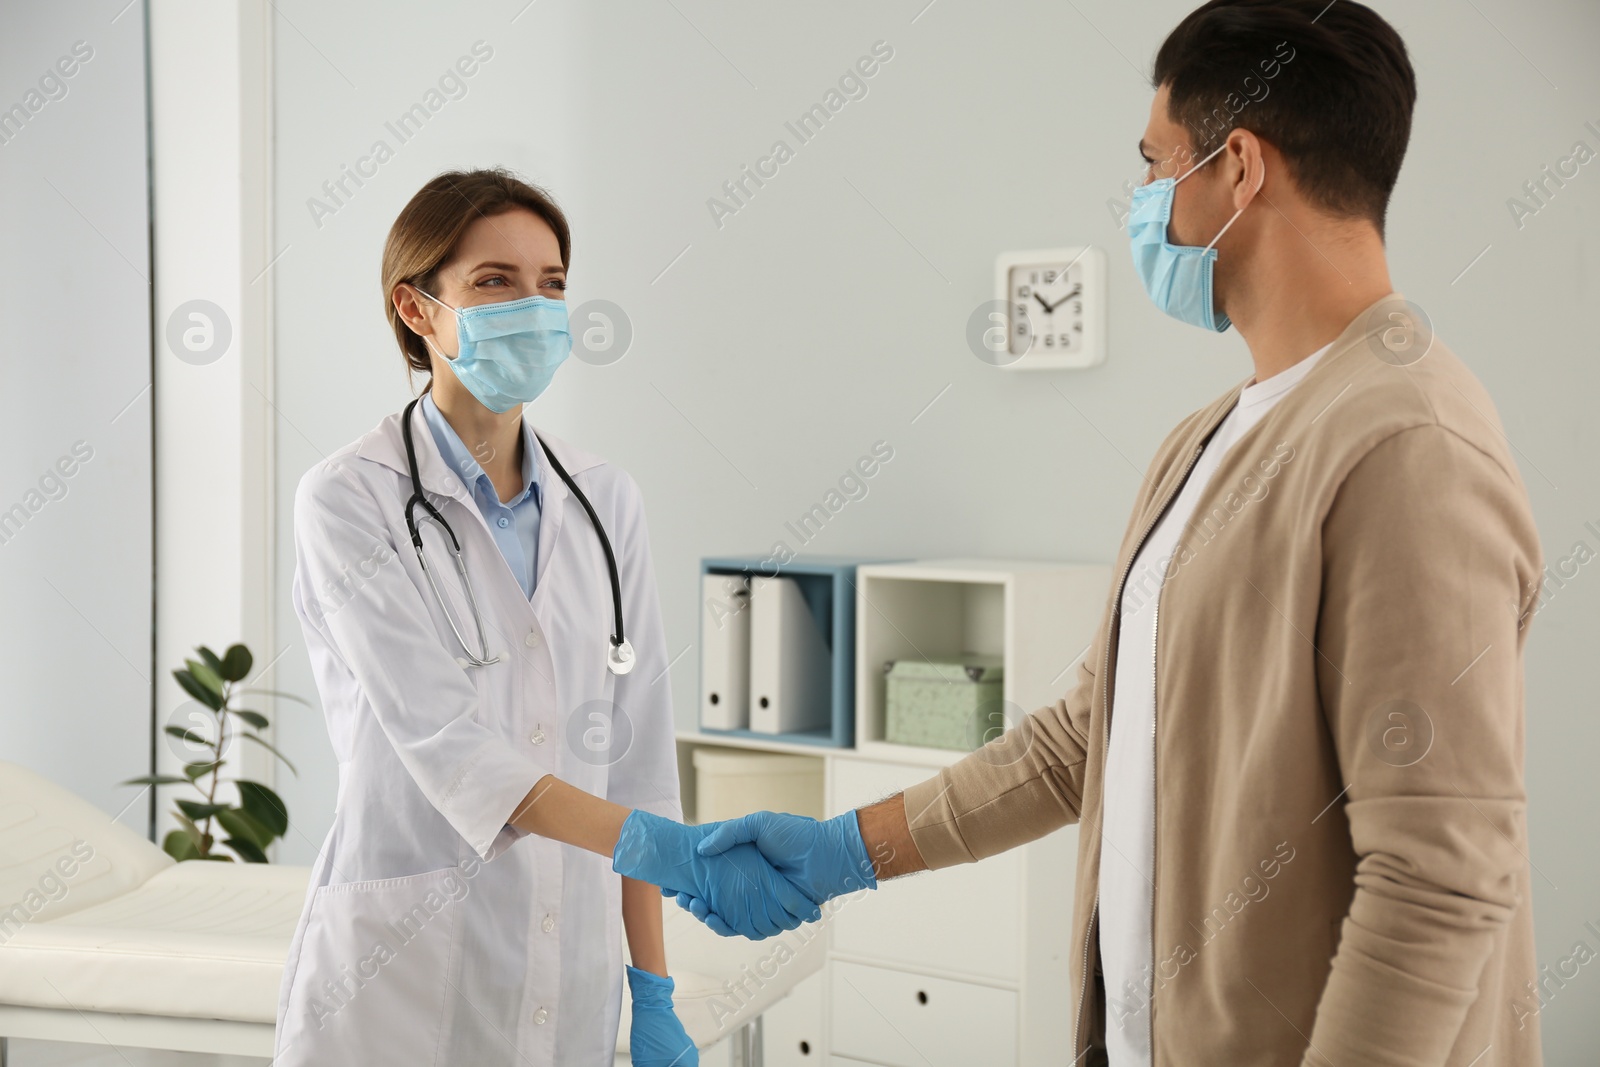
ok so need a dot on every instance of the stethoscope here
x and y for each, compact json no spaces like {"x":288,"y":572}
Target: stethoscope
{"x":619,"y":658}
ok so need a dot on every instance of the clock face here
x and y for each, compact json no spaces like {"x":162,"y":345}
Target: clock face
{"x":1045,"y":308}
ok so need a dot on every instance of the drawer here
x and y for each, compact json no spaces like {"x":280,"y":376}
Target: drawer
{"x":791,"y":1030}
{"x":965,"y":919}
{"x":910,"y":1020}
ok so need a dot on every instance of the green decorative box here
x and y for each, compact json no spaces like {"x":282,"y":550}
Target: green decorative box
{"x":952,"y":703}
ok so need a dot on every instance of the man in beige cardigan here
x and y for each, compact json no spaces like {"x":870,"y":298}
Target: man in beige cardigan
{"x":1309,"y":668}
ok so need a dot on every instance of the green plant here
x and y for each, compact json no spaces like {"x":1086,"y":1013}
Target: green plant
{"x":260,"y":816}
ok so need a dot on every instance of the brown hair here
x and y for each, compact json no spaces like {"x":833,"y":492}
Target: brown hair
{"x":424,"y":236}
{"x":1341,"y":113}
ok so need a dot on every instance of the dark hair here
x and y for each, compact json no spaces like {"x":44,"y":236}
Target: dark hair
{"x":1337,"y":102}
{"x":424,"y":236}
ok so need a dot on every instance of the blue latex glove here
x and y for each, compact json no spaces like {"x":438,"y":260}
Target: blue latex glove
{"x":657,"y":1038}
{"x":742,"y":894}
{"x":824,"y":859}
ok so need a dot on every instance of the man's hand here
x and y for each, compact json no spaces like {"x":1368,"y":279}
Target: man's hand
{"x":741,"y":892}
{"x":823,"y":859}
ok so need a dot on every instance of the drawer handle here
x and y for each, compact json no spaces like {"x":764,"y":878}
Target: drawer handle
{"x":805,"y":1048}
{"x":922,"y":997}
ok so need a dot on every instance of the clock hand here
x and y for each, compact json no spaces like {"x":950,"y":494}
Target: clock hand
{"x":1042,"y":304}
{"x":1076,"y":289}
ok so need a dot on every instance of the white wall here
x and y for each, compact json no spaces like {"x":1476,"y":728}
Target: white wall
{"x":831,"y":310}
{"x":75,"y":412}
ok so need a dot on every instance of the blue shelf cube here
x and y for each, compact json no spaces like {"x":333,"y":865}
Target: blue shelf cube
{"x":828,"y":584}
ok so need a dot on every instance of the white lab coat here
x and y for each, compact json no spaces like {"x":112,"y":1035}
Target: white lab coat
{"x":433,"y":933}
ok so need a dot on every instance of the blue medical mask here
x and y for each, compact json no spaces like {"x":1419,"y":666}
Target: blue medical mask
{"x":508,"y":352}
{"x":1177,"y":277}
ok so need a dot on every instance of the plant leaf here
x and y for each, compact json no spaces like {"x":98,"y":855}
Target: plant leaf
{"x":236,"y":663}
{"x":254,"y":718}
{"x":194,"y":770}
{"x":180,"y":846}
{"x":203,"y":842}
{"x":221,"y":857}
{"x":198,"y":809}
{"x":210,"y":658}
{"x":156,"y":779}
{"x":205,"y":675}
{"x":279,"y":694}
{"x":188,"y":827}
{"x":241,"y":823}
{"x":196,"y":689}
{"x":264,"y":744}
{"x":247,"y":850}
{"x":192,"y":736}
{"x":265,"y":806}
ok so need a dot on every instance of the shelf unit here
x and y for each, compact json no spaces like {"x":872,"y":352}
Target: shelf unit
{"x":965,"y":965}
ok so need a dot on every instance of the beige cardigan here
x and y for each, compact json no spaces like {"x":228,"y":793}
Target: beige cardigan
{"x":1341,"y":847}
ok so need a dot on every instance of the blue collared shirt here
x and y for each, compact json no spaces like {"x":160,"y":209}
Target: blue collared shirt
{"x":515,"y":523}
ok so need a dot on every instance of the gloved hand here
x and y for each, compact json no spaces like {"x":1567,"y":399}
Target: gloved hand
{"x":742,"y":894}
{"x":823,"y":859}
{"x":657,"y":1038}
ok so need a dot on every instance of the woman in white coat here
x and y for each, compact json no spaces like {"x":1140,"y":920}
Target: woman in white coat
{"x":433,"y":933}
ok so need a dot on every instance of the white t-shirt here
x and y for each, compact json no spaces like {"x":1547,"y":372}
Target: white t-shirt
{"x":1128,"y":845}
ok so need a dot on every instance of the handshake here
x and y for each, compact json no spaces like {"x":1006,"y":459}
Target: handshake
{"x":754,"y":876}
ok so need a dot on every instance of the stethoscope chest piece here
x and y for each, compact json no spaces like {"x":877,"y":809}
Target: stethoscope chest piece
{"x":619,"y":658}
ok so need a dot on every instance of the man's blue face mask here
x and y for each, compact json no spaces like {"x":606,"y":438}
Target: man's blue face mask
{"x":1177,"y":277}
{"x":508,"y":351}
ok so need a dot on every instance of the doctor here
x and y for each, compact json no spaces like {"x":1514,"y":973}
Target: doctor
{"x":464,"y":583}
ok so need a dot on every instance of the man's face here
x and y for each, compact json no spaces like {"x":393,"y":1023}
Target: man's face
{"x":1200,"y":206}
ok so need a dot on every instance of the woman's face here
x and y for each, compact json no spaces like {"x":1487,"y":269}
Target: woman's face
{"x":507,"y":256}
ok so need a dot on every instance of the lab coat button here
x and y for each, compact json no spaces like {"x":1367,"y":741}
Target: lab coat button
{"x":541,"y":1016}
{"x":461,"y":661}
{"x":532,"y":639}
{"x":538,"y":737}
{"x":548,"y":924}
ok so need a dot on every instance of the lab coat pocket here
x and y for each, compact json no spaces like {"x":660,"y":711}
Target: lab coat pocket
{"x":372,"y":981}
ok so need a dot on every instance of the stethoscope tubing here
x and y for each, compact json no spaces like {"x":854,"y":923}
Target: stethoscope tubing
{"x":620,"y":658}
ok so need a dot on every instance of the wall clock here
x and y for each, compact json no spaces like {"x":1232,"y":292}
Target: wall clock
{"x":1055,"y":307}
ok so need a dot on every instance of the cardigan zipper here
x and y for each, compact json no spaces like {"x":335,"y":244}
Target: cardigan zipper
{"x":1116,"y":612}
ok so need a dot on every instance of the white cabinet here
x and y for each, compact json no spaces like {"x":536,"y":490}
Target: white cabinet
{"x":792,"y":1028}
{"x":914,"y":1020}
{"x":974,"y":959}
